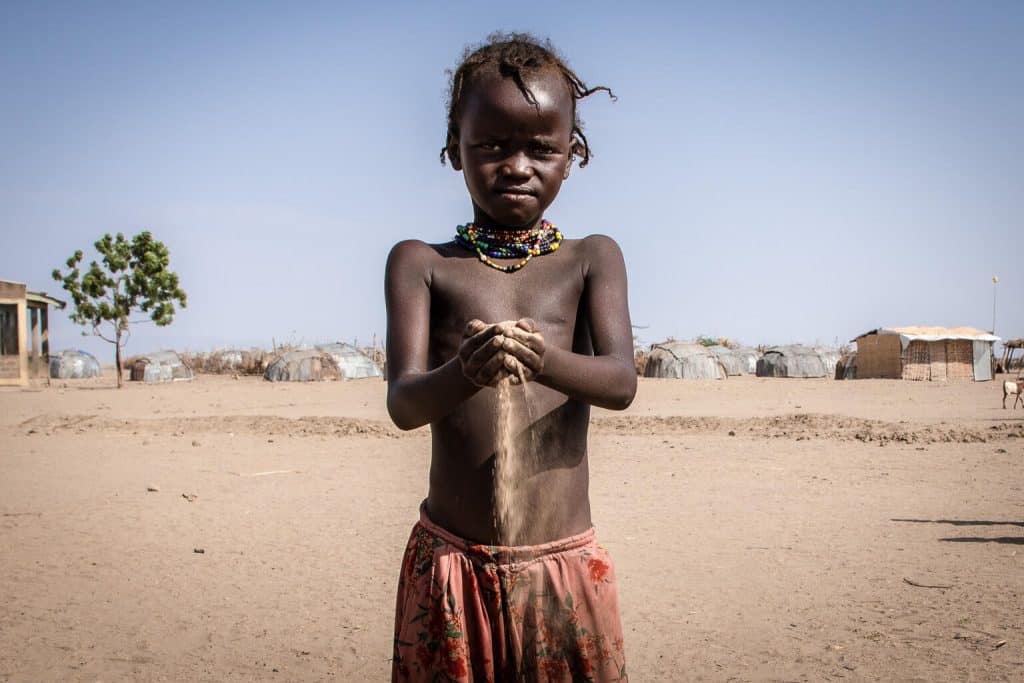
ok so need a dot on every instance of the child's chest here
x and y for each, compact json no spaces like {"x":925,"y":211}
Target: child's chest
{"x":548,"y":289}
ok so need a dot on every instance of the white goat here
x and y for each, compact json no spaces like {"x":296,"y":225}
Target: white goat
{"x":1014,"y":389}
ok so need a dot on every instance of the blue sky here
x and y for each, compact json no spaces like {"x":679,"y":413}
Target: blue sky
{"x":774,"y":172}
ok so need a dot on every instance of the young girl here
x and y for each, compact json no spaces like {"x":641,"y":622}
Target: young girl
{"x":509,"y":299}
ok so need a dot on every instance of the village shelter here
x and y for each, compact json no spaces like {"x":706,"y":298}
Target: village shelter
{"x":938,"y":354}
{"x":24,"y":333}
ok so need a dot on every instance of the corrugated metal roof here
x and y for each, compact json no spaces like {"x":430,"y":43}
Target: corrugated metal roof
{"x":303,"y":365}
{"x":161,"y":366}
{"x":925,"y":333}
{"x":683,"y":360}
{"x":795,"y":360}
{"x":74,"y":364}
{"x":738,"y":361}
{"x":353,"y":363}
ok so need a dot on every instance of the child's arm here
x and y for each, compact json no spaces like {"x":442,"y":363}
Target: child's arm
{"x":416,"y":395}
{"x":608,"y":378}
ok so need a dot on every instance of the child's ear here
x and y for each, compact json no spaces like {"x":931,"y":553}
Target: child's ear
{"x":568,"y":167}
{"x":455,"y":156}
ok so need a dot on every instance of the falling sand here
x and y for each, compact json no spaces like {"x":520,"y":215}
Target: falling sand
{"x":508,"y":464}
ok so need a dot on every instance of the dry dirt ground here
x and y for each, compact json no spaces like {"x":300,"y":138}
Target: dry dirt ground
{"x":763,"y":529}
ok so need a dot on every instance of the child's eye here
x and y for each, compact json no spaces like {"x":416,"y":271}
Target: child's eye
{"x":490,"y":146}
{"x":541,"y":148}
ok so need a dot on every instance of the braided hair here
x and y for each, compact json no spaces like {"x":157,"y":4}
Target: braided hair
{"x":515,"y":55}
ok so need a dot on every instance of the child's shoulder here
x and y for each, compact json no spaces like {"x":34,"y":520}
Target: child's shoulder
{"x":597,"y":242}
{"x":414,"y":247}
{"x":596,"y":249}
{"x":412,"y":252}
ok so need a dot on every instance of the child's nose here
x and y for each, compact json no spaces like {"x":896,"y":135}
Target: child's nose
{"x":517,"y":165}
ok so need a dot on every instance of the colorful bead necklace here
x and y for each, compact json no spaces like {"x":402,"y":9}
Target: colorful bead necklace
{"x":488,"y":242}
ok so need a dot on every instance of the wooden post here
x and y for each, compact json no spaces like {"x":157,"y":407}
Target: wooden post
{"x":22,"y":343}
{"x":45,"y":328}
{"x":34,"y":355}
{"x":44,"y":312}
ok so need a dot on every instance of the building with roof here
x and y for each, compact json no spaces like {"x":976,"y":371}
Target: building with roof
{"x":797,"y":360}
{"x":303,"y":365}
{"x":74,"y":364}
{"x":24,"y":333}
{"x":160,"y":366}
{"x":353,"y":363}
{"x":683,"y":360}
{"x":938,"y":354}
{"x":736,"y":361}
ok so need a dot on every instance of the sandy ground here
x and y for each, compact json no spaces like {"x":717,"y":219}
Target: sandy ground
{"x":762,"y":530}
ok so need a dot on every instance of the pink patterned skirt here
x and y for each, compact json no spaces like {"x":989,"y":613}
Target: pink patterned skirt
{"x":470,"y":612}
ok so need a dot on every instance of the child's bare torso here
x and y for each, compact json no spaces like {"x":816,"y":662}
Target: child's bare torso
{"x":550,"y":429}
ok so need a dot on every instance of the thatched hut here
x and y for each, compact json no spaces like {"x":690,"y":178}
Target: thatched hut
{"x":162,"y":366}
{"x":683,"y":360}
{"x":353,"y":363}
{"x":796,"y":360}
{"x":926,"y":353}
{"x":303,"y":365}
{"x":737,"y":361}
{"x":74,"y":364}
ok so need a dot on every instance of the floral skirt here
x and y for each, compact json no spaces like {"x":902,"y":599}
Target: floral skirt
{"x":469,"y":612}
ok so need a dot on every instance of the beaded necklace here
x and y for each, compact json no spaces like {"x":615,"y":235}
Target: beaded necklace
{"x":488,"y":242}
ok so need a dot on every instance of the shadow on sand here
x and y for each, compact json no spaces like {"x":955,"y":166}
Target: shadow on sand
{"x":960,"y":522}
{"x":1013,"y":540}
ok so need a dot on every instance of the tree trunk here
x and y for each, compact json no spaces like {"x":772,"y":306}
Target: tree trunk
{"x":117,"y":358}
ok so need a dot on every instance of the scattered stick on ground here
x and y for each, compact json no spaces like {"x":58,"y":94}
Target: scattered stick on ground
{"x":922,"y":585}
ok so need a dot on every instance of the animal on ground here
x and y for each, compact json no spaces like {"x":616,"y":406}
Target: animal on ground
{"x":1013,"y":388}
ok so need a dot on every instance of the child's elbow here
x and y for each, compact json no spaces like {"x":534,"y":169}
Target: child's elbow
{"x":623,"y":401}
{"x":402,"y":422}
{"x":403,"y":418}
{"x":625,"y":392}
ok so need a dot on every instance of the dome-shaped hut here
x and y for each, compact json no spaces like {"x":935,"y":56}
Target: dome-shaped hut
{"x":796,"y":360}
{"x":683,"y":360}
{"x":353,"y":363}
{"x":738,"y":361}
{"x":162,"y":366}
{"x":303,"y":365}
{"x":74,"y":364}
{"x":829,"y":358}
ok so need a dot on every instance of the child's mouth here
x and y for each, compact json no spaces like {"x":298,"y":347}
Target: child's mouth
{"x":515,"y":193}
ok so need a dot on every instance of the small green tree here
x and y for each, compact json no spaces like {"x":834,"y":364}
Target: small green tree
{"x":133,"y":277}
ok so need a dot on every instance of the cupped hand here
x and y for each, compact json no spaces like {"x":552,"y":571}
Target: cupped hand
{"x":482,"y":355}
{"x":524,"y":347}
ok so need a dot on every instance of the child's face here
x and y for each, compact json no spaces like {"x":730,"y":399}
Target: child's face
{"x":514,"y":155}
